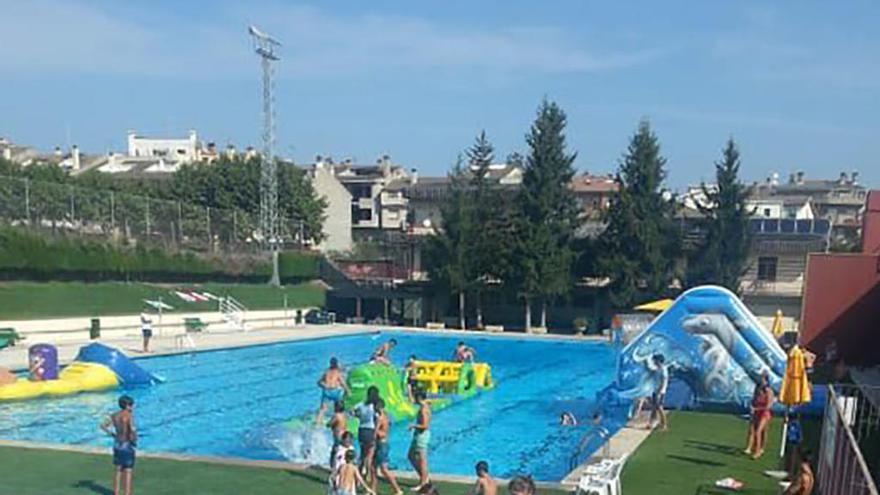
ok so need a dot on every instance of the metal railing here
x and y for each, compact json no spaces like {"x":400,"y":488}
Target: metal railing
{"x":851,"y":425}
{"x":233,"y":312}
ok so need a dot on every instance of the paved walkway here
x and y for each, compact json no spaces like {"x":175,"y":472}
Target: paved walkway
{"x":166,"y":343}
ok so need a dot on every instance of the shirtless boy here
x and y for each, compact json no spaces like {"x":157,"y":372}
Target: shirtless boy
{"x":348,"y":478}
{"x":333,"y":388}
{"x":485,"y":485}
{"x":383,"y":451}
{"x":124,"y":441}
{"x":382,"y":354}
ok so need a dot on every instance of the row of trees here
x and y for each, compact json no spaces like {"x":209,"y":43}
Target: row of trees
{"x":526,"y":243}
{"x":231,"y":184}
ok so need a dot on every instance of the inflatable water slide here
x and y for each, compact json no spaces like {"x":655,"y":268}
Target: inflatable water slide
{"x":97,"y":367}
{"x":711,"y":340}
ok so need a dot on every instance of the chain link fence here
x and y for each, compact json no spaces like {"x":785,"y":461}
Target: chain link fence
{"x":63,"y":208}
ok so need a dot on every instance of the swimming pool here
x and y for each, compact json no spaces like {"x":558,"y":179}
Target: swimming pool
{"x":232,"y":402}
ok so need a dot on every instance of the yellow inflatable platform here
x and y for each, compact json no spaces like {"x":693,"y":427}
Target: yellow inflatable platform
{"x":446,"y":376}
{"x":76,"y":377}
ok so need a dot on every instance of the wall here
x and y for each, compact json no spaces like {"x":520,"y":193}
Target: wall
{"x":337,"y":224}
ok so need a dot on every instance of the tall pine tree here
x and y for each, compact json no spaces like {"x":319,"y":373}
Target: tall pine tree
{"x":483,"y":208}
{"x":722,"y":257}
{"x":639,"y":246}
{"x":447,"y":252}
{"x":549,"y":214}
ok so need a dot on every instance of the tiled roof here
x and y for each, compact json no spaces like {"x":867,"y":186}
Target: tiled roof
{"x":594,"y":183}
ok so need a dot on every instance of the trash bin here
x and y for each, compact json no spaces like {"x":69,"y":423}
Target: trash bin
{"x":43,"y":362}
{"x":95,"y":329}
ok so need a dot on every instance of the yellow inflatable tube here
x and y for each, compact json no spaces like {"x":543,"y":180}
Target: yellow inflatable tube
{"x":76,"y":377}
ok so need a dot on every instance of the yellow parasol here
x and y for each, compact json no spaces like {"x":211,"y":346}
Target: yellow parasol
{"x":777,"y":329}
{"x":795,"y":389}
{"x":658,"y":306}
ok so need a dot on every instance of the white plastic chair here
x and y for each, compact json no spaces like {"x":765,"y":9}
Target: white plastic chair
{"x":602,"y":478}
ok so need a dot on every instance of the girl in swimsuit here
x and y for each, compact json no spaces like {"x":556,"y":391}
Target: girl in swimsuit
{"x":762,"y":401}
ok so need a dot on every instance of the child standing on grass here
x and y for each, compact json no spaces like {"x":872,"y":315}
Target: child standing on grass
{"x":485,"y":485}
{"x":348,"y":478}
{"x":124,"y":442}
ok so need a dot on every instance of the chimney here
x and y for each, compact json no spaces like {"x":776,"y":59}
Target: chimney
{"x":132,"y":136}
{"x":791,"y":178}
{"x":76,"y":158}
{"x":843,"y":179}
{"x":854,"y":178}
{"x":800,"y":177}
{"x":413,"y":176}
{"x":774,"y":179}
{"x":57,"y":151}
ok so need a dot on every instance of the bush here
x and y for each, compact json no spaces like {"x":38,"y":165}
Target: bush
{"x":28,"y":256}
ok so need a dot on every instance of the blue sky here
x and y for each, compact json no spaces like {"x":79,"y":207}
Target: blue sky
{"x":796,"y":83}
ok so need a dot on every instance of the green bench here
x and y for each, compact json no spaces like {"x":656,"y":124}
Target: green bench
{"x":9,"y":337}
{"x":194,"y":325}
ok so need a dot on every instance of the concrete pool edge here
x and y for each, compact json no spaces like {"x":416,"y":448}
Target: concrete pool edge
{"x":243,"y":462}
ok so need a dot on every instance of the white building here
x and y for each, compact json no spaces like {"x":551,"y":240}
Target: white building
{"x":180,"y":150}
{"x":337,"y":222}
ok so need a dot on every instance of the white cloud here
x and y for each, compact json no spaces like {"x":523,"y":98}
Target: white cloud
{"x":44,"y":35}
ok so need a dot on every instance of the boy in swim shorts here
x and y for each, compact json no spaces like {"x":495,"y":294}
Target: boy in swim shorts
{"x":418,"y":449}
{"x":333,"y":388}
{"x":383,"y":450}
{"x":124,"y":441}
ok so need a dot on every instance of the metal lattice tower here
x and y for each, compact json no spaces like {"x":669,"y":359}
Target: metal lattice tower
{"x":267,"y":48}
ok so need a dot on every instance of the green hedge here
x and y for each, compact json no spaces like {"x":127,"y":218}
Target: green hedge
{"x":28,"y":256}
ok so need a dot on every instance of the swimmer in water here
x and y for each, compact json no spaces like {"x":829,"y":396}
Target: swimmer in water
{"x":333,"y":388}
{"x":463,"y":353}
{"x":567,"y":419}
{"x":409,"y":374}
{"x":382,"y":354}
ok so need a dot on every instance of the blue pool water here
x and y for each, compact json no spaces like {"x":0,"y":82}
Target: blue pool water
{"x":232,"y":403}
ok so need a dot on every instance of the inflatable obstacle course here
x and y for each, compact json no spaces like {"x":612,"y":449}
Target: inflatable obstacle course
{"x":445,"y":381}
{"x":447,"y":377}
{"x":96,"y":368}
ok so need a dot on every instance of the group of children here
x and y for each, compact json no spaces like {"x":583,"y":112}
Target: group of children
{"x":374,"y":430}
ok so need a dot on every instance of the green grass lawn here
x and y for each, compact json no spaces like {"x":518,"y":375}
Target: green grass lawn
{"x":699,"y":449}
{"x":31,"y":300}
{"x":45,"y":472}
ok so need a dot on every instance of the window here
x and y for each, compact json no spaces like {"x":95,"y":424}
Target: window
{"x":766,"y":212}
{"x":767,"y":268}
{"x":360,"y":215}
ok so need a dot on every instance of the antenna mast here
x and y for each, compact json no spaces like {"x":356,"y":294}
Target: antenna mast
{"x":267,"y":48}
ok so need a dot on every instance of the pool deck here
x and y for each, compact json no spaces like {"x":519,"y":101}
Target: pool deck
{"x":165,"y":341}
